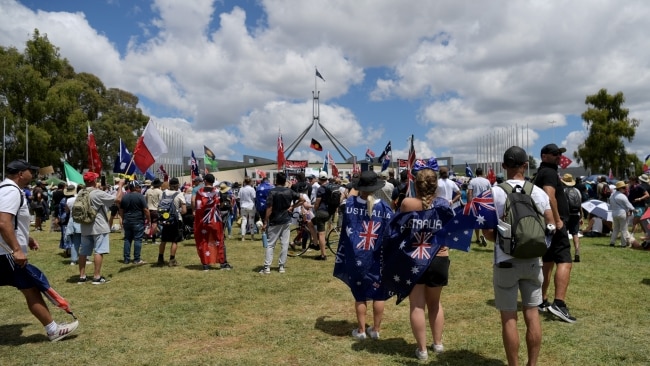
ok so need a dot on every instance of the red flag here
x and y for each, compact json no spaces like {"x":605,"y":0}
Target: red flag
{"x":149,"y":147}
{"x":260,"y":173}
{"x":335,"y":170}
{"x":370,"y":153}
{"x":410,"y":192}
{"x":94,"y":162}
{"x":491,"y":176}
{"x":565,"y":162}
{"x":610,"y":176}
{"x":281,"y":158}
{"x":161,"y":170}
{"x":316,"y":145}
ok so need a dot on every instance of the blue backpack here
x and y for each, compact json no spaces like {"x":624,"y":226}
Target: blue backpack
{"x":63,"y":214}
{"x":261,"y":194}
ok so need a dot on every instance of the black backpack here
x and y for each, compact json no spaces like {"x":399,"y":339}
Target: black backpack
{"x":332,"y":198}
{"x":521,"y":231}
{"x":575,"y":199}
{"x":167,"y":211}
{"x":225,"y":203}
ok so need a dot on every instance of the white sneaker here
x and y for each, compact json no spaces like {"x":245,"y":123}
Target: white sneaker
{"x":281,"y":269}
{"x":265,"y":270}
{"x":421,"y":355}
{"x":63,"y":330}
{"x":438,"y":348}
{"x":358,"y":335}
{"x":372,"y":333}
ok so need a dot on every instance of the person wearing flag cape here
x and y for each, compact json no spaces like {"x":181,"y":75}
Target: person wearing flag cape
{"x":415,"y":262}
{"x":358,"y":257}
{"x":15,"y":241}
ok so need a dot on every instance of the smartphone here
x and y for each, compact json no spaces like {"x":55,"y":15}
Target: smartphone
{"x":103,"y":181}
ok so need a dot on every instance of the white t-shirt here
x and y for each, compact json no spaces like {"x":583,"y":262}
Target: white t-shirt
{"x":447,"y":189}
{"x":10,"y":203}
{"x":247,"y":197}
{"x":541,"y":201}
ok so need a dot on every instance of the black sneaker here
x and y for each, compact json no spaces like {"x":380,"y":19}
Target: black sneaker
{"x":99,"y":281}
{"x":321,"y":258}
{"x":82,"y":280}
{"x":562,"y":312}
{"x":483,"y":241}
{"x":577,"y":258}
{"x":226,"y":266}
{"x":543,"y":307}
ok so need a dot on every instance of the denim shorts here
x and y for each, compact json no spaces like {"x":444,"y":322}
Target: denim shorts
{"x":97,"y":243}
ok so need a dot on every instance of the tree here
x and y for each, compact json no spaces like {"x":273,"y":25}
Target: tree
{"x":608,"y":124}
{"x":57,"y":105}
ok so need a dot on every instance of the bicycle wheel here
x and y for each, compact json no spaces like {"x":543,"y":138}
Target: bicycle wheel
{"x":332,"y":240}
{"x":298,"y":240}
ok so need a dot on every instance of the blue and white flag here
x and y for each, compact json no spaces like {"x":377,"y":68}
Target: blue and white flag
{"x":123,"y":160}
{"x":384,"y":153}
{"x":357,"y":261}
{"x":411,"y":241}
{"x":385,"y":163}
{"x":468,"y":171}
{"x":479,"y":213}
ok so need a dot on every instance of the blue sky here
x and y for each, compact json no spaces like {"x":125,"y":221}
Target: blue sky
{"x":230,"y":74}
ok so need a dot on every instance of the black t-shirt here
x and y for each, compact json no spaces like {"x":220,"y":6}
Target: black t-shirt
{"x":636,"y":192}
{"x":280,"y":199}
{"x":547,"y":176}
{"x":646,"y":186}
{"x":133,"y":205}
{"x":322,"y":194}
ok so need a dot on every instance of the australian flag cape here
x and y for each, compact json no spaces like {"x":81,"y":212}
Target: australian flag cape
{"x":411,"y":241}
{"x":357,"y":261}
{"x":480,"y":213}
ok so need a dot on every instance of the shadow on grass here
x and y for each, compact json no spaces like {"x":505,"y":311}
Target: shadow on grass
{"x":645,"y":281}
{"x":338,"y":328}
{"x":10,"y":335}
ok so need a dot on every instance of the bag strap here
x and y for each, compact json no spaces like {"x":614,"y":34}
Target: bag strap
{"x":22,"y":201}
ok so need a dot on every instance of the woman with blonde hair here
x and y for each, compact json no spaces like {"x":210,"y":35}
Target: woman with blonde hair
{"x":420,"y":270}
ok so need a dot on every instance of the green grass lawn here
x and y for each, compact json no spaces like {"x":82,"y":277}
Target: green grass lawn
{"x":183,"y":316}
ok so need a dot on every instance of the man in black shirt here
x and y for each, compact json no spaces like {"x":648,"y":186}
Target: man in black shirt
{"x":559,"y":253}
{"x":134,"y":211}
{"x":277,"y":218}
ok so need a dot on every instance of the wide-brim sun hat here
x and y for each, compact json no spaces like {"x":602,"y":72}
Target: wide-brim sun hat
{"x":620,"y":184}
{"x":568,"y":180}
{"x":643,"y":178}
{"x":369,"y":182}
{"x":223,"y":188}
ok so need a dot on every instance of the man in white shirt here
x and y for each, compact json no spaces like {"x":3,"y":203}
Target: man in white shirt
{"x":511,"y":275}
{"x":247,"y":202}
{"x":447,"y":188}
{"x":475,"y":187}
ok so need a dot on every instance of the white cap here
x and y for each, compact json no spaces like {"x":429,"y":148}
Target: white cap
{"x":322,"y":175}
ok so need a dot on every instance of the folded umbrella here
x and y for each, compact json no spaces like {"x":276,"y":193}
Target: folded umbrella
{"x":598,"y":208}
{"x":36,"y":278}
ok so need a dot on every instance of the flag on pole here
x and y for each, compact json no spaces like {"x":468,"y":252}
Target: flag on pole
{"x":209,"y":158}
{"x":319,"y":75}
{"x":355,"y":167}
{"x":72,"y":176}
{"x":194,"y":166}
{"x":245,"y":172}
{"x":384,"y":153}
{"x":149,"y":147}
{"x":260,"y":173}
{"x":410,"y":163}
{"x":123,"y":160}
{"x":335,"y":170}
{"x":369,"y":154}
{"x":468,"y":171}
{"x":94,"y":162}
{"x":316,"y":145}
{"x":163,"y":172}
{"x":281,"y":158}
{"x":565,"y":162}
{"x":610,"y":176}
{"x":325,"y":161}
{"x":385,"y":163}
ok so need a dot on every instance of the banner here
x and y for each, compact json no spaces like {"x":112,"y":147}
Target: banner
{"x":296,"y":164}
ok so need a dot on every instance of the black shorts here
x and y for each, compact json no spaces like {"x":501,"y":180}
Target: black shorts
{"x":319,"y":220}
{"x":154,"y":216}
{"x":114,"y":210}
{"x":573,"y":226}
{"x":560,"y":249}
{"x":171,"y":233}
{"x":437,"y":274}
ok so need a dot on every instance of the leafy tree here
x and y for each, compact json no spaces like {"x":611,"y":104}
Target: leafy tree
{"x":532,"y":163}
{"x":57,"y":106}
{"x":607,"y":124}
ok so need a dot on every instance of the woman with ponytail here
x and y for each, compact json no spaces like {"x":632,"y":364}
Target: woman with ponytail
{"x":358,"y":258}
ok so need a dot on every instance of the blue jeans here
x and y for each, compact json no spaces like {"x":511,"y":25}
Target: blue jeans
{"x":133,"y":232}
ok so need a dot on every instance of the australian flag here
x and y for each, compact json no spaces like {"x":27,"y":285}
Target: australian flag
{"x":357,"y":261}
{"x":468,"y":171}
{"x":123,"y":160}
{"x":479,"y":213}
{"x":411,"y":241}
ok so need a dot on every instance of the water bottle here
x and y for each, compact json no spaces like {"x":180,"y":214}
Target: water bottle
{"x":265,"y":242}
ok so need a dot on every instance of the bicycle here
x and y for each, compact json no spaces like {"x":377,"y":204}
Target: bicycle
{"x":300,"y":238}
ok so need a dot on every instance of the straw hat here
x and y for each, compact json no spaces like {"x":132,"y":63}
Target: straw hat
{"x":70,"y":191}
{"x":643,"y":178}
{"x":223,"y":188}
{"x":620,"y":184}
{"x":568,"y":180}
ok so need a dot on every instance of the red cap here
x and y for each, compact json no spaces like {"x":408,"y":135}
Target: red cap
{"x":90,"y":176}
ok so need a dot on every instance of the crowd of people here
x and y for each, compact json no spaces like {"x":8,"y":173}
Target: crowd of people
{"x":376,"y":213}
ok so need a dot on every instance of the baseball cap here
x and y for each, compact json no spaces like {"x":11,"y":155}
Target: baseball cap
{"x":322,"y":175}
{"x":514,"y":157}
{"x":173,"y":181}
{"x":552,"y":149}
{"x":90,"y":176}
{"x":156,"y":182}
{"x":20,"y":165}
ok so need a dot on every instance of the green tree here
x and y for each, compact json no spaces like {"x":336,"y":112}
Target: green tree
{"x":607,"y":124}
{"x":56,"y":106}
